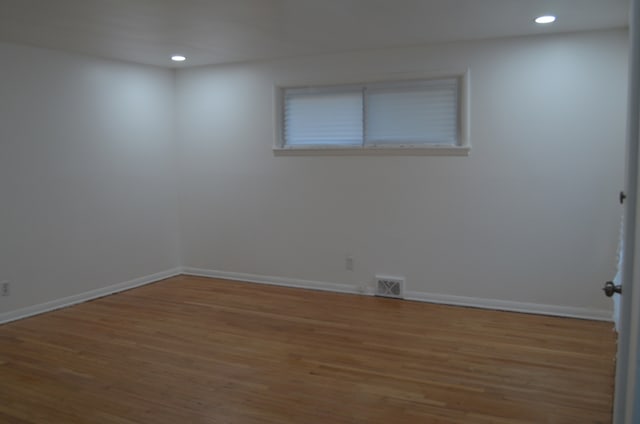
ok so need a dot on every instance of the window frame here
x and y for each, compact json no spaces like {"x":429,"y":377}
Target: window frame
{"x":461,"y":149}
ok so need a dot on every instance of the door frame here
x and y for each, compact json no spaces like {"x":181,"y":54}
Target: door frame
{"x":627,"y":396}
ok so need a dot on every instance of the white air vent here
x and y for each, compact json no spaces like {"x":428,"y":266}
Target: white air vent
{"x":390,"y":286}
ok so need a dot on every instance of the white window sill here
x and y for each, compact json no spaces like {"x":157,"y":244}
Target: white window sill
{"x":373,"y":151}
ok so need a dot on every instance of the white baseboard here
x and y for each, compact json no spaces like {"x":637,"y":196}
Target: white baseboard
{"x":83,"y":297}
{"x":273,"y":281}
{"x":512,"y":306}
{"x":502,"y":305}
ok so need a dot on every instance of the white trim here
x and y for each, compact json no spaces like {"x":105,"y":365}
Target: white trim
{"x":86,"y":296}
{"x":512,"y":306}
{"x":274,"y":281}
{"x":462,"y":148}
{"x":424,"y":150}
{"x":465,"y":109}
{"x":494,"y":304}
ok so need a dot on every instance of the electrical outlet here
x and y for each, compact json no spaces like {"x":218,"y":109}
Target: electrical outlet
{"x":4,"y":288}
{"x":348,"y":263}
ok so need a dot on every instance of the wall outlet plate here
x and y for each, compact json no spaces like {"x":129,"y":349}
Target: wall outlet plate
{"x":5,"y":288}
{"x":348,"y":263}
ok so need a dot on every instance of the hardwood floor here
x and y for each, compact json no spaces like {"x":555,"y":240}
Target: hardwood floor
{"x":196,"y":350}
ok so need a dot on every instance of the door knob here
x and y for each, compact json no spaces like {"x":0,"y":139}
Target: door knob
{"x":610,"y":288}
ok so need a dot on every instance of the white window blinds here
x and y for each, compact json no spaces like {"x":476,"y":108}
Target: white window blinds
{"x":390,"y":114}
{"x":412,"y":113}
{"x":323,"y":117}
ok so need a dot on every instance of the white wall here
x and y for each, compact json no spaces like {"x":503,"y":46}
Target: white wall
{"x":531,"y":216}
{"x":88,"y":194}
{"x":87,"y":174}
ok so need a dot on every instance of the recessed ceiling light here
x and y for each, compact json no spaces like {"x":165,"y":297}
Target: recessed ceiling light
{"x":178,"y":58}
{"x":545,"y":19}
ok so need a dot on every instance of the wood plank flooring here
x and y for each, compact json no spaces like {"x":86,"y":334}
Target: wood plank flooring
{"x":197,"y":350}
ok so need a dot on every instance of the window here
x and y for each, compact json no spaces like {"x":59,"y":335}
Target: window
{"x":426,"y":116}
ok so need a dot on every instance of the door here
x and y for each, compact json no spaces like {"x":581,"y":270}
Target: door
{"x":627,"y":390}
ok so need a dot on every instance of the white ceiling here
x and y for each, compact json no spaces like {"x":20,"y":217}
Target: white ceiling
{"x":219,"y":31}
